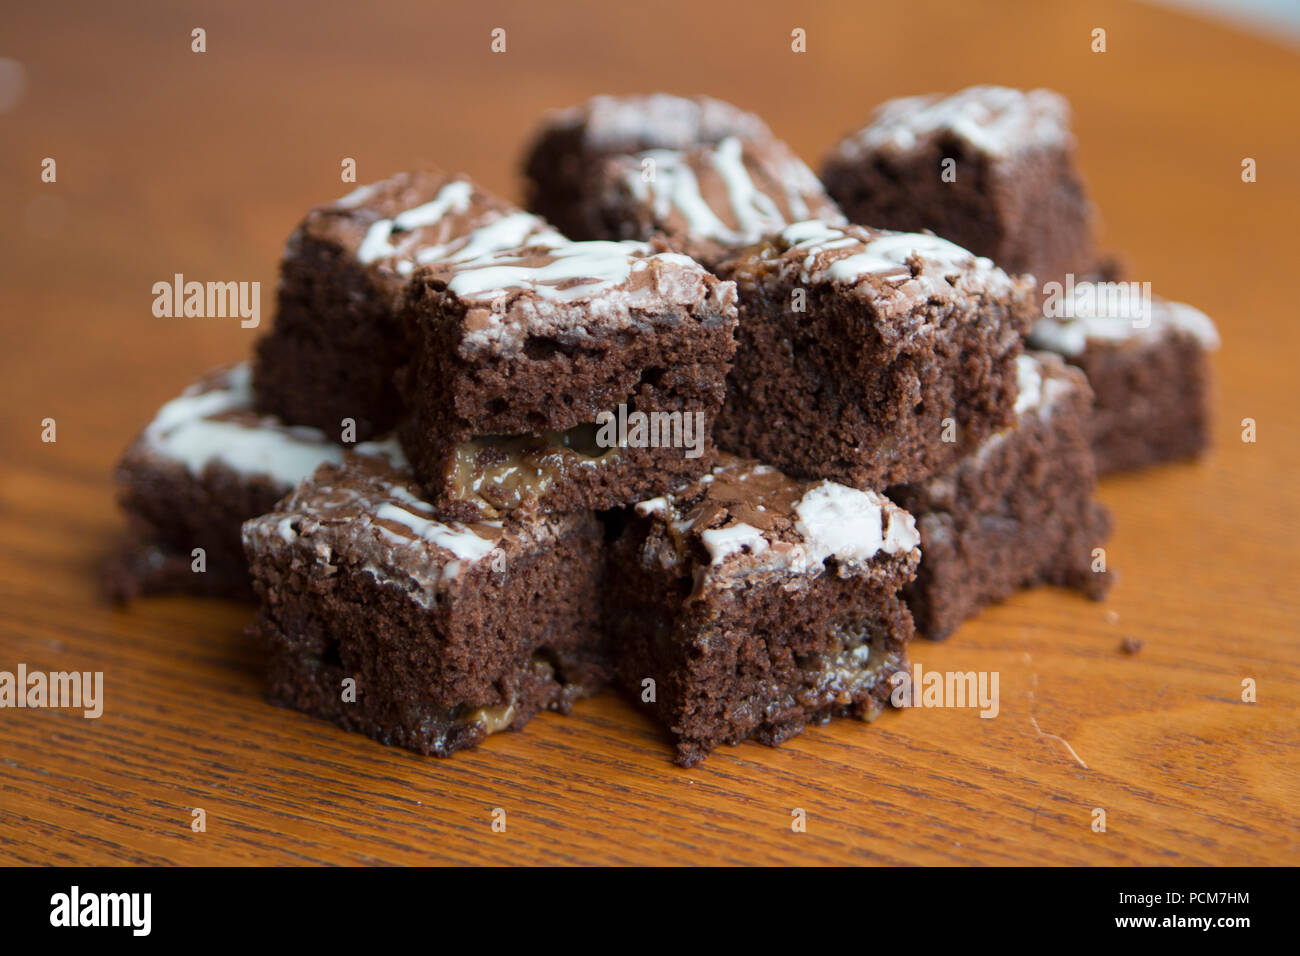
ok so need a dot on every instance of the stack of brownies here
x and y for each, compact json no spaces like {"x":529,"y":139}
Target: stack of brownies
{"x":709,"y":430}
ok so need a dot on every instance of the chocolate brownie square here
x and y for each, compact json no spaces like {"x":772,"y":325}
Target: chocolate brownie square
{"x":706,"y":202}
{"x":1016,"y":198}
{"x":206,"y":463}
{"x":337,"y":339}
{"x":450,"y":632}
{"x":566,"y":152}
{"x":747,"y":604}
{"x":1016,"y":512}
{"x":1150,"y":372}
{"x":869,"y":357}
{"x":564,"y":376}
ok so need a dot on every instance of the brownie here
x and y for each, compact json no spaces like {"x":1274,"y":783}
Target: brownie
{"x":206,"y":463}
{"x":749,"y":605}
{"x":1150,"y":370}
{"x":566,"y":152}
{"x":523,"y":357}
{"x":450,"y":631}
{"x":867,"y":357}
{"x":1016,"y":512}
{"x":1017,"y":197}
{"x":337,"y":339}
{"x":707,"y":201}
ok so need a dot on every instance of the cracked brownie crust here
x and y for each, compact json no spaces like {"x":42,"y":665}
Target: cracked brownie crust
{"x":1016,"y":197}
{"x":748,"y":605}
{"x":450,"y":631}
{"x":862,"y":352}
{"x":337,"y":339}
{"x":531,"y":346}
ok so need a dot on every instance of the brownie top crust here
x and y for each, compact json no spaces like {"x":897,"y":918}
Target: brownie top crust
{"x":633,"y":123}
{"x":418,"y":218}
{"x":996,"y":120}
{"x":744,"y":519}
{"x":732,"y":192}
{"x":895,"y":271}
{"x":572,"y":292}
{"x":213,"y":423}
{"x":1100,"y":323}
{"x":368,"y":512}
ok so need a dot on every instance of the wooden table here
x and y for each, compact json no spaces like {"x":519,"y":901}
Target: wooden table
{"x":172,"y":161}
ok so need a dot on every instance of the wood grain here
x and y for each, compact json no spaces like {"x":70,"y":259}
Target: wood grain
{"x":170,"y":161}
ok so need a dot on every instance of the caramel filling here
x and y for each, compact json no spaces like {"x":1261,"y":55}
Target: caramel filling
{"x":501,"y":473}
{"x":500,"y":717}
{"x":850,"y":674}
{"x":493,"y":719}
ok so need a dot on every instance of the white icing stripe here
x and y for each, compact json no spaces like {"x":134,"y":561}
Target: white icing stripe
{"x":812,"y":232}
{"x":576,"y":265}
{"x":1037,"y":395}
{"x":452,"y":198}
{"x":677,"y":188}
{"x":386,"y":448}
{"x":508,"y":232}
{"x":995,"y":119}
{"x":832,"y":521}
{"x":183,"y":431}
{"x":358,"y":196}
{"x":1029,"y":383}
{"x":848,"y":524}
{"x":193,"y":404}
{"x":755,"y":211}
{"x":890,"y":254}
{"x":618,"y":123}
{"x":459,"y":540}
{"x":884,"y":255}
{"x":312,"y":525}
{"x":1070,"y":336}
{"x":901,"y":535}
{"x":723,"y":542}
{"x":652,"y":506}
{"x":279,"y":455}
{"x":1189,"y":319}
